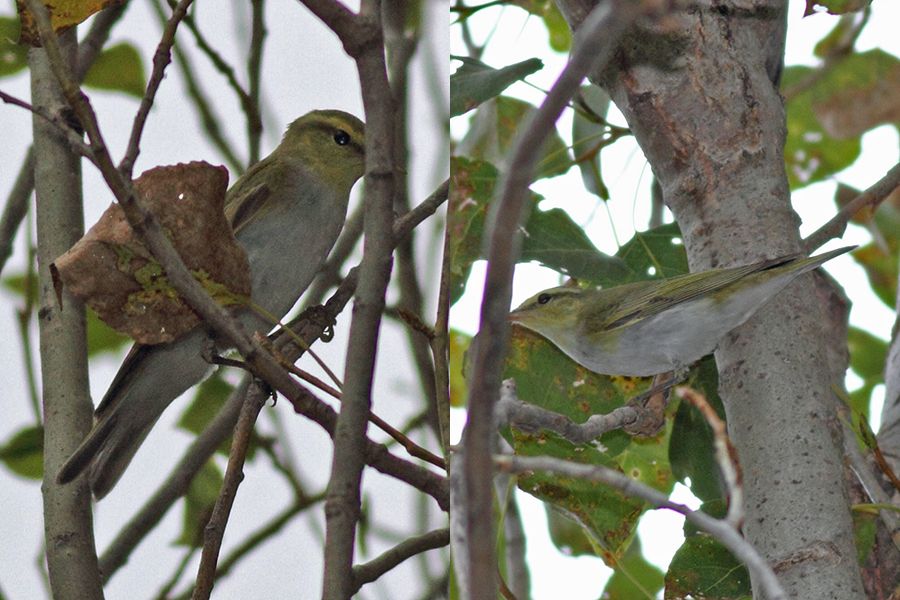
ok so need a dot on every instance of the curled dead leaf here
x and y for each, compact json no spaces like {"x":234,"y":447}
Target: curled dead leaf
{"x":119,"y":278}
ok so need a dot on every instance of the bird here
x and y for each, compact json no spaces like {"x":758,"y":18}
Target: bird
{"x":286,"y":211}
{"x":652,"y":327}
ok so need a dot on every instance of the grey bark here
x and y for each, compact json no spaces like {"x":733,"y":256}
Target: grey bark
{"x":698,"y":94}
{"x":71,"y":557}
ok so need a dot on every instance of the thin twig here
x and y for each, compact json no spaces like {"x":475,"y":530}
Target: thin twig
{"x":440,"y":348}
{"x":372,"y":570}
{"x":869,"y":199}
{"x":17,"y":203}
{"x":234,"y":474}
{"x":161,"y":59}
{"x":175,"y":485}
{"x":720,"y":529}
{"x":529,"y":417}
{"x":725,"y":453}
{"x":74,"y":140}
{"x":595,"y":42}
{"x":16,"y":206}
{"x":208,"y":117}
{"x":254,"y":62}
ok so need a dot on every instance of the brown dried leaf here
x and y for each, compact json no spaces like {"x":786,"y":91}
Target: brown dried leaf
{"x":117,"y":276}
{"x":63,"y":14}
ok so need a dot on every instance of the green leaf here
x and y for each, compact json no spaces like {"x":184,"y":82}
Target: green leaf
{"x":118,"y":68}
{"x":23,"y":454}
{"x":829,"y":110}
{"x":551,"y":237}
{"x":560,"y":36}
{"x":471,"y":188}
{"x":655,"y":253}
{"x":209,"y":399}
{"x":547,"y":378}
{"x":588,"y":139}
{"x":703,"y":568}
{"x":13,"y":56}
{"x":567,"y":534}
{"x":101,"y":337}
{"x":634,"y":577}
{"x":810,"y":154}
{"x":199,"y":503}
{"x":474,"y":82}
{"x":835,"y":7}
{"x":868,"y":354}
{"x":18,"y":283}
{"x":691,"y":449}
{"x":494,"y":128}
{"x":459,"y":344}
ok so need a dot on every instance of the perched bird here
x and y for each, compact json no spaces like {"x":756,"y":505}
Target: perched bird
{"x":287,"y":210}
{"x":650,"y":327}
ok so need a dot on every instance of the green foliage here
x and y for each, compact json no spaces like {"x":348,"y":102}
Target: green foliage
{"x":868,"y":355}
{"x":811,"y":154}
{"x":829,"y":109}
{"x":551,"y":238}
{"x":691,"y":449}
{"x":494,"y":129}
{"x":474,"y":82}
{"x":459,"y":345}
{"x":199,"y":503}
{"x":13,"y":56}
{"x":634,"y":577}
{"x":547,"y":378}
{"x":589,"y":137}
{"x":23,"y":453}
{"x":703,"y":568}
{"x":118,"y":68}
{"x":559,"y":35}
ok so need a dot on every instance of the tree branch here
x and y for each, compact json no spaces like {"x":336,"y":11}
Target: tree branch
{"x":721,"y":530}
{"x":372,"y":570}
{"x":597,"y":39}
{"x":215,"y":527}
{"x":869,"y":199}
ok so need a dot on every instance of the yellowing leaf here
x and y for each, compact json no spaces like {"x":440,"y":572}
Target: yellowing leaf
{"x":63,"y":14}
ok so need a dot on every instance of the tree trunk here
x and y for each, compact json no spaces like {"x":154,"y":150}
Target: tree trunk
{"x":71,"y":558}
{"x":700,"y":95}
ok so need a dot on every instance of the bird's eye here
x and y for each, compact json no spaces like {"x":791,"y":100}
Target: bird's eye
{"x":544,"y":298}
{"x":341,"y":137}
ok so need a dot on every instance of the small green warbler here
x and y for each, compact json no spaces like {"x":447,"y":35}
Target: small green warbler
{"x":286,"y":211}
{"x":651,"y":327}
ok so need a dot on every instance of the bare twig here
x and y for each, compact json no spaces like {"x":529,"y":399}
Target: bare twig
{"x":595,"y":42}
{"x":372,"y":570}
{"x":17,"y":203}
{"x":869,"y":199}
{"x":161,"y":59}
{"x":16,"y":206}
{"x":68,"y":535}
{"x":254,"y":62}
{"x":234,"y":474}
{"x":73,"y":139}
{"x":726,"y":455}
{"x":529,"y":417}
{"x":208,"y":118}
{"x":175,"y":485}
{"x":440,"y":348}
{"x":721,"y":530}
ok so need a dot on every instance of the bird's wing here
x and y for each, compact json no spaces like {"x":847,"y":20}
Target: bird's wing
{"x":249,"y":193}
{"x":127,"y":370}
{"x":645,"y":301}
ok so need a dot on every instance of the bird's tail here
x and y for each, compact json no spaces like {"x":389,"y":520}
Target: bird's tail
{"x":105,"y":453}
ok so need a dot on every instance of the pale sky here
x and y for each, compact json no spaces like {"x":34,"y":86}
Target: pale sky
{"x":515,"y":37}
{"x":304,"y":68}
